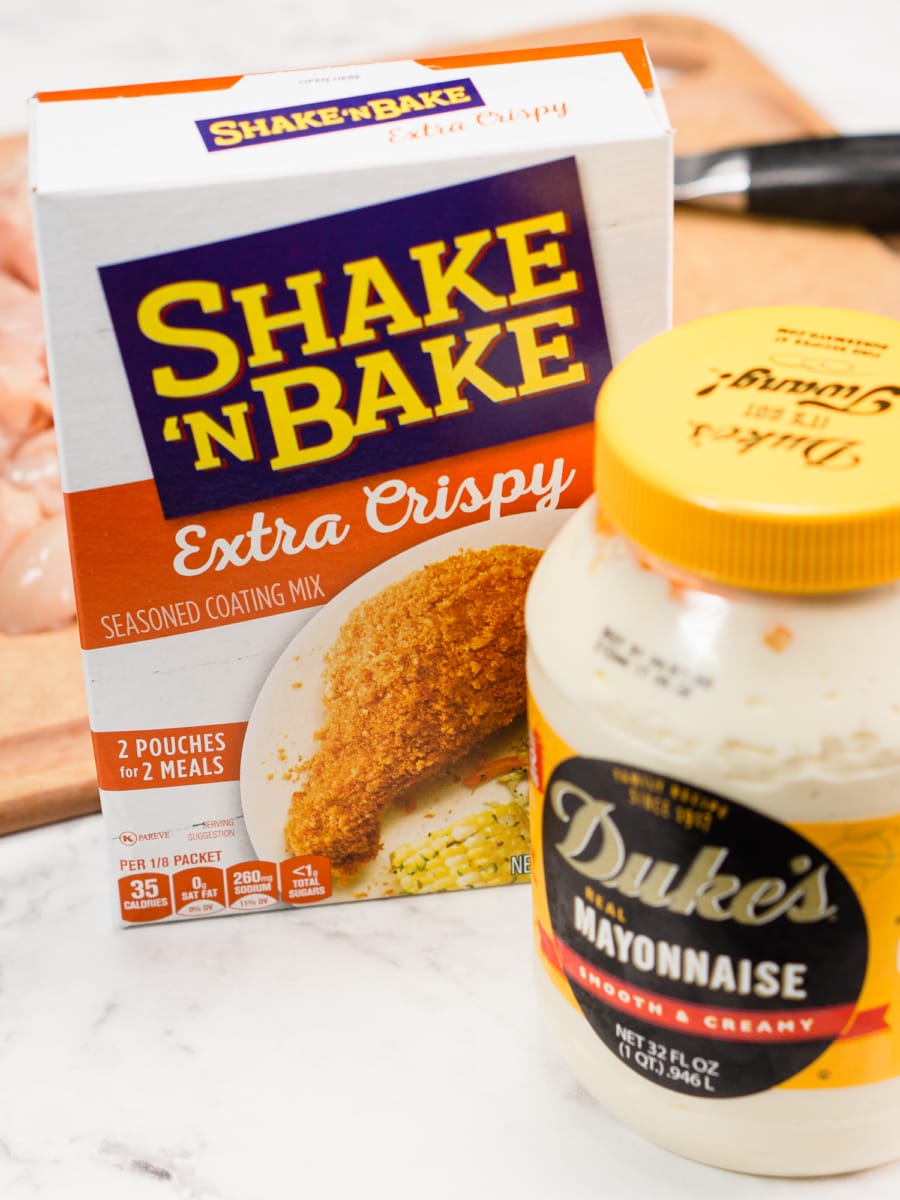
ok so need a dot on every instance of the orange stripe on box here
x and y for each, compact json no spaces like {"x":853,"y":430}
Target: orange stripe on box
{"x":128,"y":590}
{"x":218,"y":83}
{"x":632,"y":50}
{"x":132,"y":759}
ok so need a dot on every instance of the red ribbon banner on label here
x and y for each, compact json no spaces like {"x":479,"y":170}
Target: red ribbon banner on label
{"x":700,"y":1020}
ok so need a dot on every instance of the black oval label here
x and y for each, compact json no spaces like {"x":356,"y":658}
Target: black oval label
{"x":712,"y":949}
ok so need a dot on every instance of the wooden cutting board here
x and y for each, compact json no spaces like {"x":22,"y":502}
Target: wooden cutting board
{"x":717,"y":94}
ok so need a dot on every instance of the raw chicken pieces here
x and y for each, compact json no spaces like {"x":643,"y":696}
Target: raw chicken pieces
{"x":35,"y":576}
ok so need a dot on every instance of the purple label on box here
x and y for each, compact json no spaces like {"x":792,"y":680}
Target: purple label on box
{"x":364,"y":342}
{"x":351,"y":112}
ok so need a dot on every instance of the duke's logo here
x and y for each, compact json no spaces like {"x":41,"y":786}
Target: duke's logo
{"x":362,"y":343}
{"x":295,"y":121}
{"x":699,"y":888}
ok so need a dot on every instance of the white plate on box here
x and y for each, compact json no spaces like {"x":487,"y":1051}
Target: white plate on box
{"x":289,"y":710}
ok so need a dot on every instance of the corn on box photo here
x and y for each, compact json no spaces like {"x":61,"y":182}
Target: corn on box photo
{"x":324,"y":348}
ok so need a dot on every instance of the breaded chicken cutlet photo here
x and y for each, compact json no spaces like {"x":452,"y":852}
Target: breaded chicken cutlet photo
{"x":418,"y":676}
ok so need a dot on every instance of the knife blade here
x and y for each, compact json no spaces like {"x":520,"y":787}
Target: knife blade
{"x":852,"y":179}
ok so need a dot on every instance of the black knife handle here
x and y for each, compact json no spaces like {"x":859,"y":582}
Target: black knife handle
{"x":852,"y":179}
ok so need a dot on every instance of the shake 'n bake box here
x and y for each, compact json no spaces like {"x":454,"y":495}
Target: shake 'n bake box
{"x":325,"y":347}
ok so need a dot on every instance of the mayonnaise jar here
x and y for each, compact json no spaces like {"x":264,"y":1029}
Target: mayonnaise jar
{"x":714,"y":711}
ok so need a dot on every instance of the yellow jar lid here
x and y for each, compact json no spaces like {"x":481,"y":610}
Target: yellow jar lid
{"x":759,"y":448}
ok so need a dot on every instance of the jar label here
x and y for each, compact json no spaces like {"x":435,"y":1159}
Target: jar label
{"x":712,"y":949}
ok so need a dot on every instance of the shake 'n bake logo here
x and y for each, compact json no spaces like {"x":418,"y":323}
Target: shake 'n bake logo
{"x":295,"y":121}
{"x":364,"y":342}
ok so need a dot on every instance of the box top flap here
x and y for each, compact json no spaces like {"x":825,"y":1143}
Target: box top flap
{"x":227,"y":128}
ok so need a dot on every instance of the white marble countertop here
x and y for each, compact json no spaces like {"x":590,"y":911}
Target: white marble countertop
{"x":377,"y":1049}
